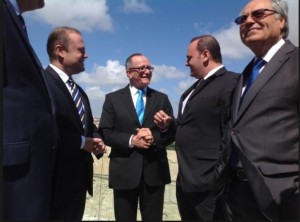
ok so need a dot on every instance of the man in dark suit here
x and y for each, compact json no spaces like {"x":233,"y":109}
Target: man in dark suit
{"x":138,"y":168}
{"x":201,"y":131}
{"x":74,"y":167}
{"x":29,"y":131}
{"x":265,"y":123}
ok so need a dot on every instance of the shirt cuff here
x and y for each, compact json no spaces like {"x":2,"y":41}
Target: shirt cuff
{"x":82,"y":142}
{"x":130,"y":145}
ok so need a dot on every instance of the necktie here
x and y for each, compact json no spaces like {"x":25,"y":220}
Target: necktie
{"x":253,"y":75}
{"x":77,"y":99}
{"x":23,"y":24}
{"x":140,"y":105}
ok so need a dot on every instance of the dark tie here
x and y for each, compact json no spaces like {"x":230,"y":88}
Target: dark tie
{"x":23,"y":24}
{"x":253,"y":75}
{"x":140,"y":105}
{"x":77,"y":99}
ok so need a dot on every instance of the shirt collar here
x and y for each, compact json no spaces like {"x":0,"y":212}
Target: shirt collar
{"x":211,"y":72}
{"x":273,"y":50}
{"x":61,"y":73}
{"x":134,"y":90}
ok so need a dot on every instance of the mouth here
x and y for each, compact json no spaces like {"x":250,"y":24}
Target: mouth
{"x":251,"y":31}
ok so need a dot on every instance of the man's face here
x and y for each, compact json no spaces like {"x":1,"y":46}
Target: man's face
{"x":194,"y":60}
{"x":262,"y":27}
{"x":140,"y":73}
{"x":74,"y":55}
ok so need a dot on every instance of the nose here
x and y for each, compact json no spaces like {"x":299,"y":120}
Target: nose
{"x":249,"y":19}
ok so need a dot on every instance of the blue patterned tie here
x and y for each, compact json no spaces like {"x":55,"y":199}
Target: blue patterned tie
{"x":140,"y":106}
{"x":77,"y":99}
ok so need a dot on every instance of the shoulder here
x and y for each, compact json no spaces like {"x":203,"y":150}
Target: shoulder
{"x":119,"y":92}
{"x":232,"y":75}
{"x":155,"y":92}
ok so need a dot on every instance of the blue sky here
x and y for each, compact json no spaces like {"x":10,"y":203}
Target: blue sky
{"x":160,"y":29}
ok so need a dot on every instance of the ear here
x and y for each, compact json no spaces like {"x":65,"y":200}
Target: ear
{"x":128,"y":74}
{"x":60,"y":52}
{"x":205,"y":55}
{"x":282,"y":22}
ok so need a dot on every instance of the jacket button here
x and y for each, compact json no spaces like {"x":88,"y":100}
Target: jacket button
{"x":234,"y":131}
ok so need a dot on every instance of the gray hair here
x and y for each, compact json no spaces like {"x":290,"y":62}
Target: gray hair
{"x":282,"y":8}
{"x":128,"y":62}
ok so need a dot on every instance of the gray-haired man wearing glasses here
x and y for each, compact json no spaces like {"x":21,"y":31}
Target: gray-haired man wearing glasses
{"x":138,"y":168}
{"x":265,"y":124}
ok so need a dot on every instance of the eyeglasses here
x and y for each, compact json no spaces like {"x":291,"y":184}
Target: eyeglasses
{"x":143,"y":68}
{"x":255,"y":15}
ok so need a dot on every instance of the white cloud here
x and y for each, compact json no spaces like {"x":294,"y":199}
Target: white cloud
{"x":136,"y":6}
{"x":85,"y":15}
{"x":95,"y":93}
{"x":162,"y":72}
{"x":113,"y":75}
{"x":230,"y":43}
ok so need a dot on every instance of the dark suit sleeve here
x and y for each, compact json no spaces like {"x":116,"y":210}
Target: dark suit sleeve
{"x":165,"y":138}
{"x":115,"y":128}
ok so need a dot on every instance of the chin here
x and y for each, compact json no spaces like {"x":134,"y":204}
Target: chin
{"x":41,"y":4}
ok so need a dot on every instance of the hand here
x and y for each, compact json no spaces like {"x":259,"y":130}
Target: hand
{"x":95,"y":145}
{"x":162,"y":120}
{"x":143,"y":139}
{"x":99,"y":148}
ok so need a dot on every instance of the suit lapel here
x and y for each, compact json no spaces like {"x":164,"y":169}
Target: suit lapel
{"x":62,"y":87}
{"x":16,"y":20}
{"x":151,"y":98}
{"x":182,"y":98}
{"x":128,"y":103}
{"x":207,"y":81}
{"x":267,"y":73}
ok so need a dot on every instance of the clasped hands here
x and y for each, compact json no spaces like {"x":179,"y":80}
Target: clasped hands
{"x":95,"y":145}
{"x":143,"y":139}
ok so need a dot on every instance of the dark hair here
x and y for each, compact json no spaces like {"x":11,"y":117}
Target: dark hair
{"x":59,"y":36}
{"x":208,"y":42}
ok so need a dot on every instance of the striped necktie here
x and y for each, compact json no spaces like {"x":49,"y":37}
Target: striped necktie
{"x":77,"y":99}
{"x":140,"y":106}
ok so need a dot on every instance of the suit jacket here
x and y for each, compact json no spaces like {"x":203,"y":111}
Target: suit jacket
{"x":202,"y":131}
{"x":265,"y":131}
{"x":118,"y":122}
{"x":74,"y":167}
{"x":29,"y":133}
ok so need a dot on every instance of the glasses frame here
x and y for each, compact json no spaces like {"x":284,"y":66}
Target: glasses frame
{"x":142,"y":68}
{"x":256,"y":15}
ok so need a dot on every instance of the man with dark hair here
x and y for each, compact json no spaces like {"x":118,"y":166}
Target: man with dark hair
{"x":201,"y":131}
{"x":78,"y":135}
